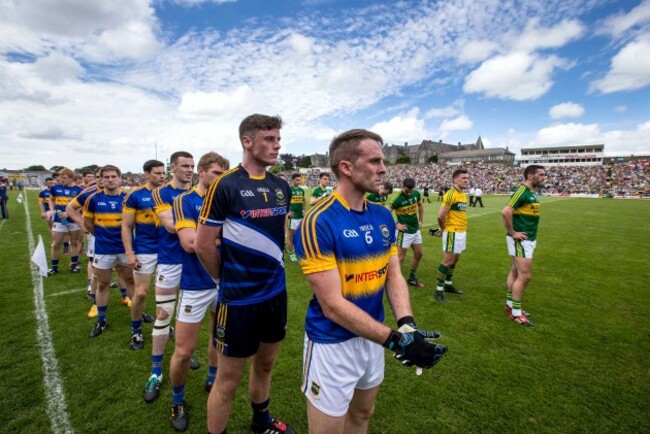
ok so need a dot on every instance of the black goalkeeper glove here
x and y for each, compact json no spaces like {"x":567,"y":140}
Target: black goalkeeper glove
{"x":410,"y":321}
{"x":412,"y":349}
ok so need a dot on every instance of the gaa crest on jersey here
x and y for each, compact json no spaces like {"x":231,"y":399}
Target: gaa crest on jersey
{"x":314,"y":389}
{"x":384,"y":231}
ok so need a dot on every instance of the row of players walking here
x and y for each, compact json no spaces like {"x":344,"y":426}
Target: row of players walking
{"x":222,"y":244}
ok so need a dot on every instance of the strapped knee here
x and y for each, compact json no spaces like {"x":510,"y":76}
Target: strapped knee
{"x":166,"y":303}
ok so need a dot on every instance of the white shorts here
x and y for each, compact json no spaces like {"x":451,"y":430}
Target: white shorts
{"x":106,"y":262}
{"x":405,"y":240}
{"x":331,"y":372}
{"x":168,"y":276}
{"x":60,"y":227}
{"x":147,"y":263}
{"x":454,"y":242}
{"x":90,"y":250}
{"x":293,"y":224}
{"x":192,"y":305}
{"x":520,"y":249}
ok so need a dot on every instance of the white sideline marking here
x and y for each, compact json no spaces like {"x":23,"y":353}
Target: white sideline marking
{"x":54,"y":395}
{"x":71,"y":291}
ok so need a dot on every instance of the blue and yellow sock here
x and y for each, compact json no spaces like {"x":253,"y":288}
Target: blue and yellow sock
{"x":156,"y":365}
{"x":212,"y":374}
{"x":261,"y":415}
{"x":136,"y":327}
{"x":178,"y":394}
{"x":101,"y":311}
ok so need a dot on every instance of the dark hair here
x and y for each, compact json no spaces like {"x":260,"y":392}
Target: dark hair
{"x":458,"y":172}
{"x":322,"y":174}
{"x":531,"y":170}
{"x":388,"y":186}
{"x":409,"y":183}
{"x":257,"y":122}
{"x":110,"y":168}
{"x":87,"y":172}
{"x":176,"y":155}
{"x":295,"y":175}
{"x":49,"y":178}
{"x":149,"y":165}
{"x":345,"y":146}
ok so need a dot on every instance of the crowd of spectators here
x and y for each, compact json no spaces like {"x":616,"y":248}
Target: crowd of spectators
{"x":630,"y":178}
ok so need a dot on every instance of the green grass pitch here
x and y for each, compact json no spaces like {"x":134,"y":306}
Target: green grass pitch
{"x":584,"y":368}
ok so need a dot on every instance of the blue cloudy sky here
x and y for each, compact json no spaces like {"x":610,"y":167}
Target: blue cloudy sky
{"x":89,"y":81}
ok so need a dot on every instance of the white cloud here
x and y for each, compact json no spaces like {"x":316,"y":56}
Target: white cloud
{"x":566,"y":110}
{"x":621,"y":23}
{"x":620,"y":109}
{"x":442,"y":112}
{"x":217,"y":105}
{"x":406,"y":127}
{"x":101,"y":31}
{"x":568,"y":134}
{"x":198,"y":2}
{"x":535,"y":37}
{"x":629,"y":70}
{"x":518,"y":76}
{"x":460,"y":123}
{"x":476,"y":51}
{"x":57,"y":68}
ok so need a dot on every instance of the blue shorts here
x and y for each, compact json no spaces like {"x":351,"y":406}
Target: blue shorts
{"x":239,"y":330}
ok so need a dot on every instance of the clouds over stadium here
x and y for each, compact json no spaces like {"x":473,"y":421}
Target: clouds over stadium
{"x":121,"y":75}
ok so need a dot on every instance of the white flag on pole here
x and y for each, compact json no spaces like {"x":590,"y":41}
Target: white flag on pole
{"x":39,"y":258}
{"x":19,"y":199}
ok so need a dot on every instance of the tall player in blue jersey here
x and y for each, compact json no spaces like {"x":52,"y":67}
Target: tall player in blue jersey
{"x":198,"y":292}
{"x":103,"y":219}
{"x":60,"y":196}
{"x":246,"y":208}
{"x":140,"y":238}
{"x":170,"y":263}
{"x":346,"y":248}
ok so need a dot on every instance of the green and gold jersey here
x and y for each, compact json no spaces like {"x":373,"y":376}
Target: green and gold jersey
{"x":406,"y":210}
{"x":525,"y":217}
{"x":319,"y":192}
{"x":456,"y":202}
{"x":376,"y":198}
{"x":297,"y":205}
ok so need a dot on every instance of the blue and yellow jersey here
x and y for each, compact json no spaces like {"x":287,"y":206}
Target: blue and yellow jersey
{"x":80,"y":200}
{"x":145,"y":230}
{"x":456,"y":202}
{"x":251,"y":212}
{"x":44,"y":198}
{"x":187,"y":208}
{"x":359,"y":245}
{"x":106,"y":212}
{"x":169,"y":247}
{"x":62,"y":196}
{"x":525,"y":217}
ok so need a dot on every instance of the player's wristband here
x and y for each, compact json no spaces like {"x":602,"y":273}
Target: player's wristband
{"x":392,"y":343}
{"x":405,"y":320}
